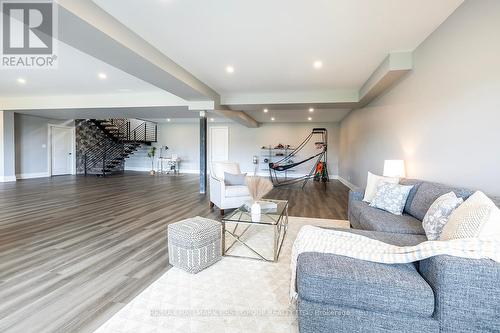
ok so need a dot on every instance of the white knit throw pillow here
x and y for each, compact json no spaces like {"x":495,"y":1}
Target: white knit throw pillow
{"x":477,"y":217}
{"x":438,"y":214}
{"x":372,"y":183}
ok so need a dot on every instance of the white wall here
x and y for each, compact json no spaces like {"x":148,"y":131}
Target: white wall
{"x":32,"y":144}
{"x":443,"y":119}
{"x":244,"y":143}
{"x":7,"y":146}
{"x":181,"y":138}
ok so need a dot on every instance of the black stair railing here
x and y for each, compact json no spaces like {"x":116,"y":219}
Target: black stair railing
{"x":107,"y":156}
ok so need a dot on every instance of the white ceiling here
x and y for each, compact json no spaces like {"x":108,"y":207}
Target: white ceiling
{"x":273,"y":44}
{"x":76,"y":74}
{"x":298,"y":116}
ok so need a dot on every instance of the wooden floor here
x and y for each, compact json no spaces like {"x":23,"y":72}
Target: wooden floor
{"x":74,"y":250}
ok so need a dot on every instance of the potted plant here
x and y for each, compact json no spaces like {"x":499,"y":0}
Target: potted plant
{"x":151,"y":155}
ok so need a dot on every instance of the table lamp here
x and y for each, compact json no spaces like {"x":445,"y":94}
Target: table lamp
{"x":394,"y":168}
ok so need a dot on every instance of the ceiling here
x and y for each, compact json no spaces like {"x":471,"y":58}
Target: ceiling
{"x":272,"y":45}
{"x":76,"y":74}
{"x":298,"y":116}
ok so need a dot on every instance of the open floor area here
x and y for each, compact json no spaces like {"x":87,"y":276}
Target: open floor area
{"x":74,"y":250}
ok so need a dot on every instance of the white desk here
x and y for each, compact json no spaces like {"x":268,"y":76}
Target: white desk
{"x":165,"y":165}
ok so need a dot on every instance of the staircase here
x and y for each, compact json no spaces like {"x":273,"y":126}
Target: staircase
{"x":103,"y":145}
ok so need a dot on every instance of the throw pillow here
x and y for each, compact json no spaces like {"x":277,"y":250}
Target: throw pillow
{"x":477,"y":217}
{"x":231,"y":179}
{"x":372,"y":183}
{"x":391,"y":197}
{"x":438,"y":214}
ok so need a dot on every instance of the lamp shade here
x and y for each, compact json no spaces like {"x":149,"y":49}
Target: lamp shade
{"x":394,"y":168}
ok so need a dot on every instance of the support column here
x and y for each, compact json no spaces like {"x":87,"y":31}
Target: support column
{"x":7,"y":148}
{"x":203,"y":152}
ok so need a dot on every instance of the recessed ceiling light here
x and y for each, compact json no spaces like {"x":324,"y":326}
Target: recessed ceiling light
{"x":309,"y":119}
{"x":311,"y":110}
{"x":230,"y":69}
{"x":266,"y":110}
{"x":102,"y":76}
{"x":168,"y":119}
{"x":21,"y":80}
{"x":317,"y":64}
{"x":272,"y":119}
{"x":212,"y":119}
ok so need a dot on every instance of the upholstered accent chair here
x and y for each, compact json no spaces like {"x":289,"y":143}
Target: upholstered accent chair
{"x":225,"y":196}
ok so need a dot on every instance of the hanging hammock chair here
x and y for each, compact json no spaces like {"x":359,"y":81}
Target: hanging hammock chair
{"x":287,"y":163}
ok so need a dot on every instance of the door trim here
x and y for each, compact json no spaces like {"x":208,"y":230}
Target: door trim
{"x":49,"y":148}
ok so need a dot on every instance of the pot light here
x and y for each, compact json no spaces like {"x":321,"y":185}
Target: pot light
{"x":230,"y":69}
{"x":102,"y":76}
{"x":309,"y":119}
{"x":311,"y":110}
{"x":212,"y":119}
{"x":317,"y":64}
{"x":168,"y":119}
{"x":21,"y":80}
{"x":266,"y":110}
{"x":272,"y":119}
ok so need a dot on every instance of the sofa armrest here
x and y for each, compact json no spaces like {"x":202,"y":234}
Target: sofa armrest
{"x":356,"y":194}
{"x":466,"y":291}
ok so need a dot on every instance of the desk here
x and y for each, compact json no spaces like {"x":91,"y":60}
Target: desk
{"x":165,"y":165}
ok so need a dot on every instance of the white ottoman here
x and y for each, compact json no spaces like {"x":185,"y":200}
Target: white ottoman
{"x":194,"y":244}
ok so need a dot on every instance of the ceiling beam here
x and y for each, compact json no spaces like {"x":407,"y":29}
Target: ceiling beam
{"x":238,"y":116}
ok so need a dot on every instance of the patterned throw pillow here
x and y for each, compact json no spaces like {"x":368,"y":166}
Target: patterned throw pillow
{"x":372,"y":182}
{"x":391,"y":197}
{"x":438,"y":214}
{"x":477,"y":217}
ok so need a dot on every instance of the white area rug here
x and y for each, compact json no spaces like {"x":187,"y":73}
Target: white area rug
{"x":234,"y":295}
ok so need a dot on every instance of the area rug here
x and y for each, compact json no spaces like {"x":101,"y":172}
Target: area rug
{"x":234,"y":295}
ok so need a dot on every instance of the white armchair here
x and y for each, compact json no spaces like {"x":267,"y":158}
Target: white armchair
{"x":223,"y":196}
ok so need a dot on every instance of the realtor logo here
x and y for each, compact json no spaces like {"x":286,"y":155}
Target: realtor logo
{"x":28,"y":34}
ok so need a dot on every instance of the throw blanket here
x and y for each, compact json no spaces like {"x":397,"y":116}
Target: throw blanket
{"x":314,"y":239}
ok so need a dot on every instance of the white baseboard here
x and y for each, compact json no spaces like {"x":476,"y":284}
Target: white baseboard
{"x":347,"y":183}
{"x":143,"y":169}
{"x":32,"y":175}
{"x":5,"y":179}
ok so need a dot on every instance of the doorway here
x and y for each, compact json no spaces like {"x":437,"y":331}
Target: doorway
{"x":219,"y":143}
{"x":62,"y":150}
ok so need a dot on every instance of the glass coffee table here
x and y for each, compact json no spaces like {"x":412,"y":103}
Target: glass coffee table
{"x":237,"y":224}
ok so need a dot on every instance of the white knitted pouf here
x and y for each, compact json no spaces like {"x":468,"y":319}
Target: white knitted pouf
{"x":194,"y":244}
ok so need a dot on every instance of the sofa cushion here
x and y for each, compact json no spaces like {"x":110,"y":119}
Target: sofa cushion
{"x":416,"y":184}
{"x":370,"y":218}
{"x":389,"y":237}
{"x":237,"y":191}
{"x":347,"y":282}
{"x":427,"y":193}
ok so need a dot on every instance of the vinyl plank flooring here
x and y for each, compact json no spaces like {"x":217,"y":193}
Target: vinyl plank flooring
{"x":74,"y":250}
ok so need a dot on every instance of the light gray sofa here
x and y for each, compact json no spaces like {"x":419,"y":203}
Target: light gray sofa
{"x":439,"y":294}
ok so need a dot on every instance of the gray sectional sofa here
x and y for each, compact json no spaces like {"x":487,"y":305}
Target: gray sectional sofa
{"x":439,"y":294}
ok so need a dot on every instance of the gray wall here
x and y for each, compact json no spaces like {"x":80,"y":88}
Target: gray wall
{"x":32,"y":144}
{"x":443,"y":119}
{"x":244,"y":143}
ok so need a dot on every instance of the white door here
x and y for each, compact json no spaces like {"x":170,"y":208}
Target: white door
{"x":219,"y":144}
{"x":61,"y":151}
